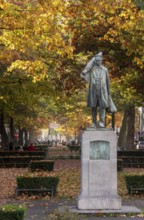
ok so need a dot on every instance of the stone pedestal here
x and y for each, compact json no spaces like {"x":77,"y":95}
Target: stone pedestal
{"x":99,"y":171}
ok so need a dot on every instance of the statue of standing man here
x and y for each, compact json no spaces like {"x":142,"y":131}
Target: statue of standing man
{"x":99,"y":90}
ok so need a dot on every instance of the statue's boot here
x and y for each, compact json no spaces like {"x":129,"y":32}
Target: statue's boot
{"x":101,"y":124}
{"x":94,"y":116}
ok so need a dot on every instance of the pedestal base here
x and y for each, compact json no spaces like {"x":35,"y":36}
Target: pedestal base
{"x":123,"y":210}
{"x":99,"y":203}
{"x":99,"y":171}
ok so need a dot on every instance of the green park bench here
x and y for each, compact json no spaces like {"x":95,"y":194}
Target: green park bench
{"x":134,"y":189}
{"x":132,"y":161}
{"x":74,"y":147}
{"x":51,"y":190}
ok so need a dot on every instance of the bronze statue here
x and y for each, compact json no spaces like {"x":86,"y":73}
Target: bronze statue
{"x":99,"y":90}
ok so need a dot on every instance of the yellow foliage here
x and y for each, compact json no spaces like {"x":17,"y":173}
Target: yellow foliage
{"x":48,"y":39}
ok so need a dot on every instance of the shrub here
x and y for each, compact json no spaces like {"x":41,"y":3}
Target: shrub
{"x":38,"y":182}
{"x":134,"y":180}
{"x":12,"y":212}
{"x":46,"y":165}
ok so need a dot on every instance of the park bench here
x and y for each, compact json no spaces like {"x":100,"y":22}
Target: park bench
{"x":74,"y":148}
{"x":51,"y":190}
{"x":18,"y":161}
{"x":16,"y":165}
{"x":135,"y":189}
{"x":134,"y":153}
{"x":22,"y":153}
{"x":132,"y":161}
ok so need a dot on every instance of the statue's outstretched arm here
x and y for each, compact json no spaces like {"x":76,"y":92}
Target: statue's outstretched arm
{"x":85,"y":73}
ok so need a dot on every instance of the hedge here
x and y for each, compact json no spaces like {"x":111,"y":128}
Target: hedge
{"x":14,"y":165}
{"x":132,"y":153}
{"x":18,"y":162}
{"x":21,"y":159}
{"x":46,"y":165}
{"x":4,"y":153}
{"x":64,"y":157}
{"x":12,"y":212}
{"x":134,"y":180}
{"x":38,"y":183}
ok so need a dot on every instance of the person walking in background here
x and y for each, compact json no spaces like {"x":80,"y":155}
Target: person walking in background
{"x":31,"y":147}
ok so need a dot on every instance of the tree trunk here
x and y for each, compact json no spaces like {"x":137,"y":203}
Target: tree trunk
{"x":4,"y":137}
{"x":122,"y":135}
{"x":11,"y":124}
{"x":126,"y":136}
{"x":21,"y":142}
{"x":130,"y":127}
{"x":26,"y":136}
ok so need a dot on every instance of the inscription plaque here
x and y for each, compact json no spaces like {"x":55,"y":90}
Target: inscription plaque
{"x":99,"y":150}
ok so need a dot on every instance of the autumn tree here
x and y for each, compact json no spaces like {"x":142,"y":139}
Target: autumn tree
{"x":49,"y":42}
{"x":117,"y":29}
{"x":31,"y":42}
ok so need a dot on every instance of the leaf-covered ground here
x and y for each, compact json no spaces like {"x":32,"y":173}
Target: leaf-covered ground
{"x":8,"y":182}
{"x":69,"y":185}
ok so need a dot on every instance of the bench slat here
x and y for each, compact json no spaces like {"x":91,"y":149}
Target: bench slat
{"x":34,"y":190}
{"x":132,"y":189}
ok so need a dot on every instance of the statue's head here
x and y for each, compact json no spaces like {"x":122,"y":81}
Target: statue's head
{"x":98,"y":59}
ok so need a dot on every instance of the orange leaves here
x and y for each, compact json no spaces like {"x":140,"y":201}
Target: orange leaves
{"x":140,"y":62}
{"x":69,"y":184}
{"x":8,"y":182}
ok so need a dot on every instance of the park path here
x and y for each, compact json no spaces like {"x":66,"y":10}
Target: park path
{"x":39,"y":210}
